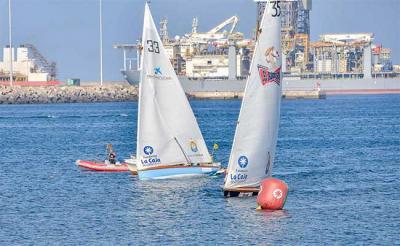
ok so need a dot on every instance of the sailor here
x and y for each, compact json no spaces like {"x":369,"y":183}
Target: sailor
{"x":112,"y":157}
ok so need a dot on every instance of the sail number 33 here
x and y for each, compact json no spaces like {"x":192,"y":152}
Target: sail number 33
{"x":153,"y":46}
{"x":276,"y":8}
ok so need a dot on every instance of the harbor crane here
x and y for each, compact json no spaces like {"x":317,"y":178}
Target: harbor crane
{"x":233,"y":20}
{"x":215,"y":33}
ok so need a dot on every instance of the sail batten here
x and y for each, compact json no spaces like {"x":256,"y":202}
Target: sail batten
{"x":254,"y":144}
{"x":164,"y":116}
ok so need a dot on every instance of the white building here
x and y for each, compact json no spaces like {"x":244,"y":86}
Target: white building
{"x":211,"y":66}
{"x":24,"y":67}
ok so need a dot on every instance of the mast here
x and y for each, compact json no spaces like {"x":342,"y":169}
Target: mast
{"x":101,"y":39}
{"x":10,"y":42}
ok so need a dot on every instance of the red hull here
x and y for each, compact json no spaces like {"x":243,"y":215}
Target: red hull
{"x":102,"y":167}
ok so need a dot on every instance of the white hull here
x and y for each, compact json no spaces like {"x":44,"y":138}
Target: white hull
{"x":179,"y":172}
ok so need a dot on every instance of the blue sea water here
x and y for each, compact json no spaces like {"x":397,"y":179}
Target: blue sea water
{"x":339,"y":156}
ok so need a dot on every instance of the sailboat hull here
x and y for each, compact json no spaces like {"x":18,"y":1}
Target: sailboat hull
{"x":132,"y":168}
{"x":242,"y":192}
{"x":178,"y":172}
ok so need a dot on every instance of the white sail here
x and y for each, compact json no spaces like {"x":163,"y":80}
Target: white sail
{"x":168,"y":133}
{"x":254,"y":145}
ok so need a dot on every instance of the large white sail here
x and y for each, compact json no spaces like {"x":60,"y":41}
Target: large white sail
{"x":254,"y":145}
{"x":168,"y":133}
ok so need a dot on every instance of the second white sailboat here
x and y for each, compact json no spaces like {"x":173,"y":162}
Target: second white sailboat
{"x":254,"y":145}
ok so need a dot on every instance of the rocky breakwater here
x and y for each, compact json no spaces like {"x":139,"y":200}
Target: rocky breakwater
{"x":67,"y":94}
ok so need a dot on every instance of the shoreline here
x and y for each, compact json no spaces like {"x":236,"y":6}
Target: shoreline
{"x":126,"y":93}
{"x":113,"y":93}
{"x":67,"y":94}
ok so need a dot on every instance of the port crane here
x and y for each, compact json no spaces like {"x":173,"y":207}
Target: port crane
{"x":232,"y":20}
{"x":215,"y":33}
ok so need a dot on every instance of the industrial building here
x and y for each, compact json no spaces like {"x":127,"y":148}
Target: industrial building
{"x":220,"y":53}
{"x":333,"y":55}
{"x":223,"y":53}
{"x":217,"y":53}
{"x":28,"y":65}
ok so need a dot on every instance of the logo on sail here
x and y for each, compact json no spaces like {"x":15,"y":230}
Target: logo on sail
{"x":149,"y":158}
{"x":272,"y":56}
{"x":157,"y":71}
{"x":193,"y":146}
{"x":267,"y":76}
{"x":158,"y":74}
{"x":148,"y":150}
{"x":243,"y":161}
{"x":240,"y":174}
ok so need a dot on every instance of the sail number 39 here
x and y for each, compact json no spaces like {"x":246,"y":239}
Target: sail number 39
{"x":276,"y":8}
{"x":153,"y":46}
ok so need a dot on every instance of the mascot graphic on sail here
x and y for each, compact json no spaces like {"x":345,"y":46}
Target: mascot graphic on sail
{"x":267,"y":76}
{"x":272,"y":56}
{"x":193,"y":146}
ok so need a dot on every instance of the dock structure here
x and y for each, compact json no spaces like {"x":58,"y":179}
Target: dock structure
{"x":215,"y":95}
{"x":315,"y":94}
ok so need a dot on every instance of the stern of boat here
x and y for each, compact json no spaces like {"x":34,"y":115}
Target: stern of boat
{"x":241,"y":192}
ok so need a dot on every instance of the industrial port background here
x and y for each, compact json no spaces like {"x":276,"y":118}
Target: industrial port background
{"x":67,"y":31}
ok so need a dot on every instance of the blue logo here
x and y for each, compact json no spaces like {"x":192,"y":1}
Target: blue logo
{"x":243,"y":161}
{"x":157,"y":70}
{"x":148,"y":150}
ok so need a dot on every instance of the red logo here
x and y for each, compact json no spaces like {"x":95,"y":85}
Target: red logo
{"x":269,"y":77}
{"x":277,"y":193}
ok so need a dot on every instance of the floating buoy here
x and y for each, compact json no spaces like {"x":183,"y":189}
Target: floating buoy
{"x":272,"y":194}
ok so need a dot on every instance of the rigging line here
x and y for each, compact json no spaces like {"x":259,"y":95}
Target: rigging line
{"x":184,"y":153}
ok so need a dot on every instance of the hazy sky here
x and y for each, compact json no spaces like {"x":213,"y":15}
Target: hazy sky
{"x":66,"y":31}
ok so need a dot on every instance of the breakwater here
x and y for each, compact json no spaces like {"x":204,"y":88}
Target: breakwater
{"x":112,"y":93}
{"x":67,"y":94}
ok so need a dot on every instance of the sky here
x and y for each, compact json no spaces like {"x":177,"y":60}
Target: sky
{"x":67,"y":31}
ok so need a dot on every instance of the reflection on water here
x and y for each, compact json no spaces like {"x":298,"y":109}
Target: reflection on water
{"x":270,"y":215}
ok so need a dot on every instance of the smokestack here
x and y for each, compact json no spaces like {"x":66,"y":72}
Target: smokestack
{"x":367,"y":61}
{"x":232,"y":60}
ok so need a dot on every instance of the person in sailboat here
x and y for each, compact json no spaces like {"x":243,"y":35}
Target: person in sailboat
{"x":111,"y":156}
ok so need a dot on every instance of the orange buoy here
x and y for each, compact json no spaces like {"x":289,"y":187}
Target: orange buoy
{"x":272,"y":195}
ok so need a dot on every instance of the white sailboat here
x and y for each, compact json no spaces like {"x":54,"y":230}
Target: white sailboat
{"x":253,"y":149}
{"x":169,"y":141}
